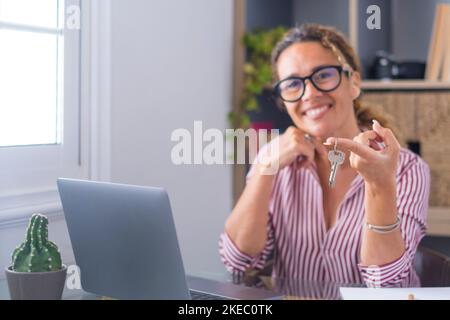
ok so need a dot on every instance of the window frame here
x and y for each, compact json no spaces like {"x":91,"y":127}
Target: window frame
{"x":29,"y":173}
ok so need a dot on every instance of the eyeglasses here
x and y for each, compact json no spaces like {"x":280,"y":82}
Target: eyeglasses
{"x":325,"y":79}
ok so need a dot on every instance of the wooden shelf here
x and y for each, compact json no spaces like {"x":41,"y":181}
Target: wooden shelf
{"x":438,"y":221}
{"x":404,"y":85}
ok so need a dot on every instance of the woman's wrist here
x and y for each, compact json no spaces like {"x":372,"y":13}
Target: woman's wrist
{"x":381,"y":188}
{"x":381,"y":203}
{"x":262,"y":173}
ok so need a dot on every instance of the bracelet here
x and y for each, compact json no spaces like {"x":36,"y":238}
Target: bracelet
{"x":384,"y":229}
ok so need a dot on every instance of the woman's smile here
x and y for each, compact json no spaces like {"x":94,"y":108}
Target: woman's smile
{"x":317,"y":112}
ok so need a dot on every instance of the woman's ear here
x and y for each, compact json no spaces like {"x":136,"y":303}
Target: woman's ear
{"x":355,"y":82}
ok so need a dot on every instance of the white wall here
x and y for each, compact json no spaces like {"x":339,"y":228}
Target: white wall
{"x":171,"y":65}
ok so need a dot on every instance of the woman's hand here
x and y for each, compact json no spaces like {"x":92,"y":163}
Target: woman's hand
{"x":376,"y":164}
{"x":291,"y":146}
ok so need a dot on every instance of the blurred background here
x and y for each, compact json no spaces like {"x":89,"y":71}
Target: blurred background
{"x":101,"y":100}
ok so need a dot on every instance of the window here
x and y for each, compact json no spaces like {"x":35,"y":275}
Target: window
{"x":41,"y":118}
{"x":31,"y":77}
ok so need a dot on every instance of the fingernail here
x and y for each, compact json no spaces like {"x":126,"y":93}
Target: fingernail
{"x":329,"y":141}
{"x":376,"y":122}
{"x":327,"y":144}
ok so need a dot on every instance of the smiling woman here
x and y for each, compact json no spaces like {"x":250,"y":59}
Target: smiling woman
{"x":366,"y":228}
{"x":338,"y":51}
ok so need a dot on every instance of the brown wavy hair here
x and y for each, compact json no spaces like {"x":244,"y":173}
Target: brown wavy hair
{"x":331,"y":39}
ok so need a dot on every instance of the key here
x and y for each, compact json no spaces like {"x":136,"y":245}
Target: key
{"x":336,"y":157}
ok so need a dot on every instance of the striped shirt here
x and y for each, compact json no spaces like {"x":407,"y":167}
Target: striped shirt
{"x":302,"y":247}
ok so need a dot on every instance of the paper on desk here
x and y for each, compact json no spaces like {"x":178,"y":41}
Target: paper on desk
{"x":395,"y":293}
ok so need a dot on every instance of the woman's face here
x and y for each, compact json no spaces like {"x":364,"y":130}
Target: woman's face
{"x":321,"y":114}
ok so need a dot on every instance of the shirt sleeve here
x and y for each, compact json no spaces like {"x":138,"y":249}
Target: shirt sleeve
{"x":412,"y":204}
{"x":238,"y":262}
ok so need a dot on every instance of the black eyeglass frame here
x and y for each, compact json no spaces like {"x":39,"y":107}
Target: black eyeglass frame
{"x":276,"y":87}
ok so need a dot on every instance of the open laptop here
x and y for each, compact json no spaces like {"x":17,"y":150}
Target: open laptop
{"x":125,"y":244}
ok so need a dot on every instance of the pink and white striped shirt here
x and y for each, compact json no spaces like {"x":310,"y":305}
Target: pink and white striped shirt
{"x":304,"y":249}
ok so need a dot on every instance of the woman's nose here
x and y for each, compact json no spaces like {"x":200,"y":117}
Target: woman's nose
{"x":310,"y":91}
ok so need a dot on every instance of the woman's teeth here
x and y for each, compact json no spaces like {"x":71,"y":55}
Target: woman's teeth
{"x":317,"y":111}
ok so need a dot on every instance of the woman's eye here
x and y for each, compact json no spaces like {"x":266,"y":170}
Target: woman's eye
{"x":324,"y":75}
{"x":293,"y":84}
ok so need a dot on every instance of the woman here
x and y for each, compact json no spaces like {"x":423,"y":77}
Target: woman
{"x":367,"y":227}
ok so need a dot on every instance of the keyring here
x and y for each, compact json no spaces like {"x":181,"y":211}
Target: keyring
{"x":382,"y":145}
{"x":308,"y":137}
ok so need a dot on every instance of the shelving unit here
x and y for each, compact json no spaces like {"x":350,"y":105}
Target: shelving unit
{"x":438,"y":221}
{"x":404,"y":85}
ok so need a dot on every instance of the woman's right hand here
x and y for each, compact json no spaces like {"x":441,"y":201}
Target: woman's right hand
{"x":292,"y":146}
{"x":247,"y":224}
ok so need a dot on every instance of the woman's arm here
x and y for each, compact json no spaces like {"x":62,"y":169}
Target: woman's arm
{"x":387,"y":259}
{"x":247,"y":224}
{"x":255,"y":238}
{"x":413,"y":188}
{"x":381,"y":210}
{"x":378,"y":167}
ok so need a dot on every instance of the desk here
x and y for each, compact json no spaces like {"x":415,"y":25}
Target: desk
{"x":296,"y":289}
{"x":291,"y":289}
{"x":67,"y":295}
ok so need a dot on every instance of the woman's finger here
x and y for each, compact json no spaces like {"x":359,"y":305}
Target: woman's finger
{"x":358,"y":148}
{"x":307,"y":150}
{"x":366,"y":136}
{"x":318,"y":145}
{"x":385,"y":133}
{"x":370,"y":138}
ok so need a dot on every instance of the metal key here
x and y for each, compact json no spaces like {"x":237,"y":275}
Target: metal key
{"x":336,"y":158}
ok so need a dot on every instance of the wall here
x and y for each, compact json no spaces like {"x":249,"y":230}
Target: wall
{"x":268,"y":14}
{"x":172,"y":65}
{"x":370,"y":41}
{"x":328,"y":12}
{"x":413,"y":20}
{"x":406,"y":24}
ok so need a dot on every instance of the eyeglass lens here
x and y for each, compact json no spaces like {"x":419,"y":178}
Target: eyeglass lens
{"x":326,"y":79}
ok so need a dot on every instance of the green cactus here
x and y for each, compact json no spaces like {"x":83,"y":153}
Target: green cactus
{"x":37,"y":253}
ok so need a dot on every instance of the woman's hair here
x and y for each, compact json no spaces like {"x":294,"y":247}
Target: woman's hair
{"x":335,"y":41}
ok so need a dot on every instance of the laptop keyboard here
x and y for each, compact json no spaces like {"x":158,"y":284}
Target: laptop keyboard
{"x":196,"y":295}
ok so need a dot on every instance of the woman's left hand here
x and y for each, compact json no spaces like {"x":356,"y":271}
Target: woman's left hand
{"x":376,"y":164}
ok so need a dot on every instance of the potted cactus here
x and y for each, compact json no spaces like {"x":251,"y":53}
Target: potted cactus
{"x":37,"y":272}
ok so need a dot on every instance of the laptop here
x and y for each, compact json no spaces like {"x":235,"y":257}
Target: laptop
{"x":125,"y":244}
